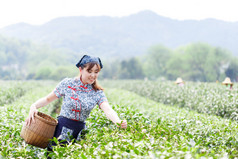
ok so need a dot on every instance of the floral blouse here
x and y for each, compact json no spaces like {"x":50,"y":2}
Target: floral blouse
{"x":78,"y":99}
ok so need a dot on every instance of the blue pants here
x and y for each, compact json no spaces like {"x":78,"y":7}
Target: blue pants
{"x":66,"y":130}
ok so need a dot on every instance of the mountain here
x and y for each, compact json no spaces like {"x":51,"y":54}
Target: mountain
{"x":126,"y":36}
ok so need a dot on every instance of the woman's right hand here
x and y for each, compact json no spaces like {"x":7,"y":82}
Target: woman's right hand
{"x":32,"y":113}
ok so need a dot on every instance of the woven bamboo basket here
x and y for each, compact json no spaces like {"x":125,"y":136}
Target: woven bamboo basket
{"x":39,"y":133}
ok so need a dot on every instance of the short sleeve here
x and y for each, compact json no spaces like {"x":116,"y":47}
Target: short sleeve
{"x":61,"y":88}
{"x":101,"y":98}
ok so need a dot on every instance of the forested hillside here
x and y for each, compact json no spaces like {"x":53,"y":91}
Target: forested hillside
{"x":127,"y":36}
{"x":26,"y":60}
{"x":143,"y":45}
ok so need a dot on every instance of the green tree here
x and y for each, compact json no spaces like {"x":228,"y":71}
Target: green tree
{"x":43,"y":73}
{"x":217,"y":62}
{"x":204,"y":62}
{"x":176,"y":66}
{"x":110,"y":70}
{"x":154,"y":63}
{"x":232,"y":70}
{"x":131,"y":69}
{"x":63,"y":71}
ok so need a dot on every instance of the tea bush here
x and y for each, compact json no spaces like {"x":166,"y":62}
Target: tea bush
{"x":10,"y":91}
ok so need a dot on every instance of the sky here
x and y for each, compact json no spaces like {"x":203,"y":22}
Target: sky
{"x":38,"y":12}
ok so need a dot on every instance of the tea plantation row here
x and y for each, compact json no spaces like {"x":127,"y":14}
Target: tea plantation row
{"x":154,"y":130}
{"x":209,"y":98}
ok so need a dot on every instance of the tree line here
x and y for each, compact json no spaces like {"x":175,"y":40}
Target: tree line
{"x":194,"y":62}
{"x":23,"y":60}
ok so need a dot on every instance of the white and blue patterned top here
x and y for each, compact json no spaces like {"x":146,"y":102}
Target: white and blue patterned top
{"x":78,"y":99}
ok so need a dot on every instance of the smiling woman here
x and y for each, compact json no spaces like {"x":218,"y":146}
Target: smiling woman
{"x":80,"y":95}
{"x":89,"y":68}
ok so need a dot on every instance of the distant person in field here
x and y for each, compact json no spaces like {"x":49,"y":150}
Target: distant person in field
{"x":179,"y":81}
{"x":80,"y":95}
{"x":228,"y":82}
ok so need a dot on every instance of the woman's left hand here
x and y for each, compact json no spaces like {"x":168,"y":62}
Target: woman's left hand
{"x":123,"y":124}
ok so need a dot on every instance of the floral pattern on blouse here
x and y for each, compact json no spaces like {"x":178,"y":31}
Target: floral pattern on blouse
{"x":66,"y":134}
{"x":78,"y":99}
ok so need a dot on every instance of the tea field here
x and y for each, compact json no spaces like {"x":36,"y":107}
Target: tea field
{"x":182,"y":127}
{"x":209,"y":98}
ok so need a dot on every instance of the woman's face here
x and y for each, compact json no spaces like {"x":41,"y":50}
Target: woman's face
{"x":89,"y":76}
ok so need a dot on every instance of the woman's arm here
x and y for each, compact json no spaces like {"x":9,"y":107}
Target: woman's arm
{"x":112,"y":115}
{"x":38,"y":104}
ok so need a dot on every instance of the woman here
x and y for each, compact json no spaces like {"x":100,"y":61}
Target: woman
{"x":80,"y":95}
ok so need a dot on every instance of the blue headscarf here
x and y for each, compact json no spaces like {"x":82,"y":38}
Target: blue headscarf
{"x":87,"y":59}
